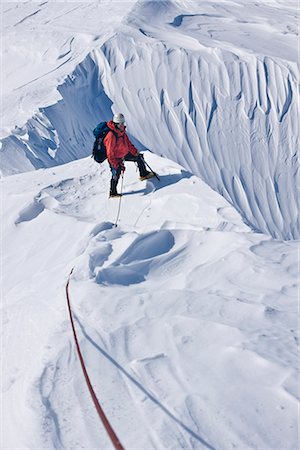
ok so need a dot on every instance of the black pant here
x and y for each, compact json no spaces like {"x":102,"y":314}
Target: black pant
{"x":116,"y":173}
{"x":139,"y":159}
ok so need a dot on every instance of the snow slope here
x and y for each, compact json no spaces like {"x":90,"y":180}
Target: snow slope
{"x":187,"y":319}
{"x":198,"y":83}
{"x":187,"y":311}
{"x":43,"y":42}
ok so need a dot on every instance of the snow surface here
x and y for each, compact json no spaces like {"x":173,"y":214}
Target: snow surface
{"x":188,"y":311}
{"x":187,"y":319}
{"x":199,"y":83}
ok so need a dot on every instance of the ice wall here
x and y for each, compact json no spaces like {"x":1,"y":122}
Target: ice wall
{"x":61,"y":132}
{"x":231,"y":119}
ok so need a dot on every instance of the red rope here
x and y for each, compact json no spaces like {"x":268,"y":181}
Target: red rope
{"x":113,"y":437}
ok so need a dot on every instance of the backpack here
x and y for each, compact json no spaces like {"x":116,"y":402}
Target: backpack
{"x":99,"y":150}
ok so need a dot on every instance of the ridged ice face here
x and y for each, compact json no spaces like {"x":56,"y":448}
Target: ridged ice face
{"x":205,"y":86}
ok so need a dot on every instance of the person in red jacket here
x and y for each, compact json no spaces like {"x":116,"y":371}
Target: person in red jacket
{"x":120,"y":149}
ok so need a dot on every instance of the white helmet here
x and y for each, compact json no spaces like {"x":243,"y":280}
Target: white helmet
{"x":119,"y":118}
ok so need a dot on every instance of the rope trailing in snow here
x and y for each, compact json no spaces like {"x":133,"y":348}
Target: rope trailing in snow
{"x":113,"y":437}
{"x":119,"y":208}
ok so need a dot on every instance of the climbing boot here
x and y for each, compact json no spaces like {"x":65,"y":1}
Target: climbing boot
{"x":114,"y":195}
{"x":146,"y":175}
{"x":113,"y":189}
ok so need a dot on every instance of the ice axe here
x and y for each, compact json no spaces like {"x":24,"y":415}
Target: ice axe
{"x":154,"y":173}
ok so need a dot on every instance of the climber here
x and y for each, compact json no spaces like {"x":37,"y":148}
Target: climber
{"x":120,"y":149}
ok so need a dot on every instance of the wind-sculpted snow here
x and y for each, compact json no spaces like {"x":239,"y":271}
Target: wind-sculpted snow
{"x":43,"y":44}
{"x":187,"y":320}
{"x":61,"y":132}
{"x":196,"y":87}
{"x":233,"y":120}
{"x":186,"y":317}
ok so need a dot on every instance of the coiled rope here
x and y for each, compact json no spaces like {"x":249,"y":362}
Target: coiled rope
{"x":112,"y":435}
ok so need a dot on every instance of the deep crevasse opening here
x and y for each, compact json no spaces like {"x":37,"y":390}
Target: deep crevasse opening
{"x":232,"y":120}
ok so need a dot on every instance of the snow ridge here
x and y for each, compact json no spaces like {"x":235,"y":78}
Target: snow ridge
{"x":233,"y":120}
{"x":188,"y":320}
{"x":181,"y":295}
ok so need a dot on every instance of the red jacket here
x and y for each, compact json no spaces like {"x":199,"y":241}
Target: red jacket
{"x":117,"y":145}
